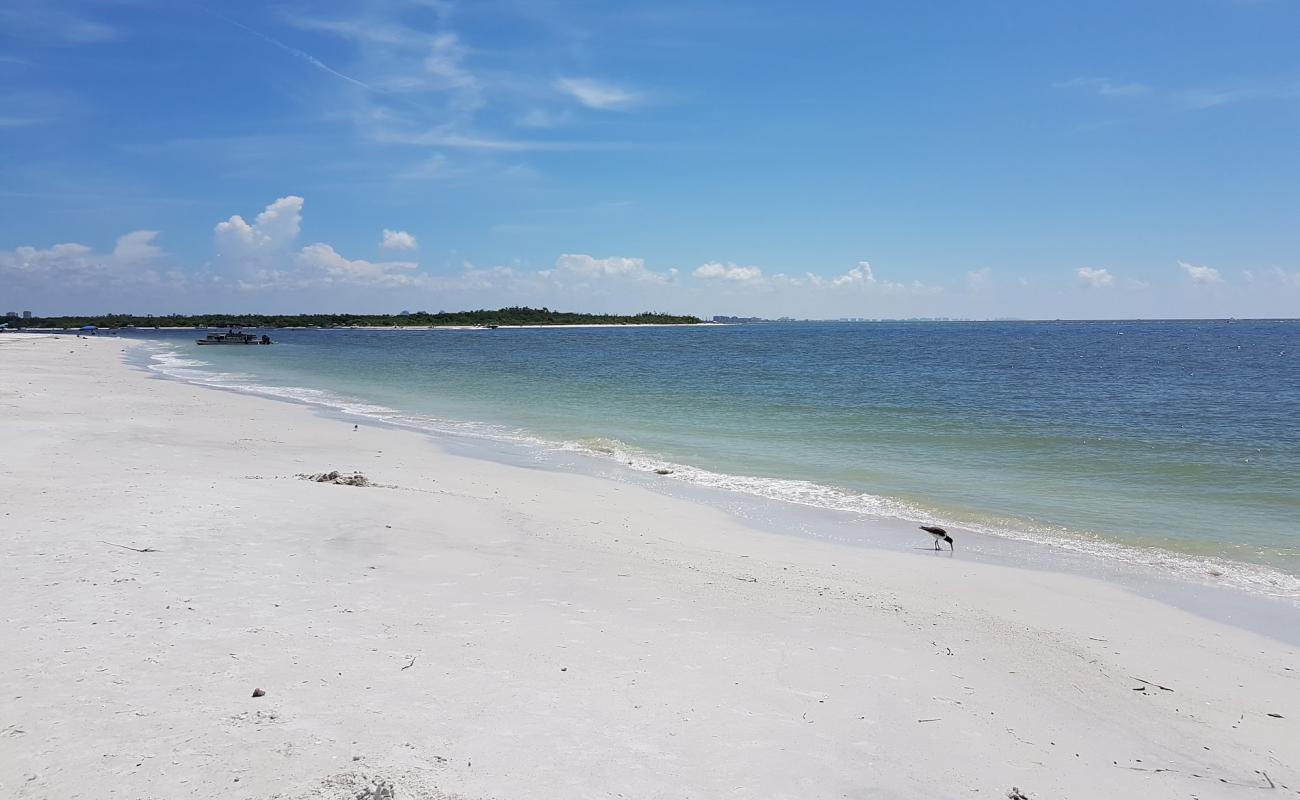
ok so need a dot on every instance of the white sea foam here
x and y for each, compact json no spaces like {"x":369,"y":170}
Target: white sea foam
{"x":1207,"y":570}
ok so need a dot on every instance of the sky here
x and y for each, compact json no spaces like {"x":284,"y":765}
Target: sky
{"x":833,"y":159}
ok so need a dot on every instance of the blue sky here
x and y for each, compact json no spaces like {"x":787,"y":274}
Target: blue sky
{"x":984,"y":159}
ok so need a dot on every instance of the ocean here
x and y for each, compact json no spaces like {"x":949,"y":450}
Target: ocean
{"x":1174,"y":443}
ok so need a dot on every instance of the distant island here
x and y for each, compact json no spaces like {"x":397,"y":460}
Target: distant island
{"x":503,"y":316}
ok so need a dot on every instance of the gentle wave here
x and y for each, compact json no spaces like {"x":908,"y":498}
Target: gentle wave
{"x":1207,"y":570}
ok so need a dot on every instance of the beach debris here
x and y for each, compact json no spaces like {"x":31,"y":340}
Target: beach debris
{"x":1149,"y":683}
{"x":746,"y":578}
{"x":259,"y":693}
{"x":1275,"y":716}
{"x":932,"y":719}
{"x":411,"y":664}
{"x":334,"y":476}
{"x":380,"y":789}
{"x":1014,"y":793}
{"x":134,"y":549}
{"x":663,"y":471}
{"x":564,"y":669}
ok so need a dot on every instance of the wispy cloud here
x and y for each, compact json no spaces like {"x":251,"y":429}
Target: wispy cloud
{"x":9,"y":121}
{"x":599,"y":95}
{"x":450,"y":139}
{"x":293,"y":51}
{"x":1206,"y":98}
{"x":1186,"y":99}
{"x":50,"y":21}
{"x":1105,"y":87}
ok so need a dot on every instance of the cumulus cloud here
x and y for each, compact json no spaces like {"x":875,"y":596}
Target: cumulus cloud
{"x":271,"y":232}
{"x":598,"y":94}
{"x":398,"y":240}
{"x":1201,"y":276}
{"x":861,"y":275}
{"x":60,"y":259}
{"x":262,"y":251}
{"x":77,"y":265}
{"x":715,"y":271}
{"x":1094,"y":277}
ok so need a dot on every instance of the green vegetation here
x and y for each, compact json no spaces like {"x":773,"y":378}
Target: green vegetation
{"x":501,"y":316}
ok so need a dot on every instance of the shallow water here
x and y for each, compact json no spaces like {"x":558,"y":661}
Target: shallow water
{"x":1173,"y":443}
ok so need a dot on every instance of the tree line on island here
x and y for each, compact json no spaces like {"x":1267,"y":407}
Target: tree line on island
{"x":517,"y":315}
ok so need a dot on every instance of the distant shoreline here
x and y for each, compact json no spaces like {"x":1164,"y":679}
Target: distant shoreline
{"x":384,"y":327}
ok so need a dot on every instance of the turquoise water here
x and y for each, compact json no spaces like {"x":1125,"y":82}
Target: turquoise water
{"x":1119,"y":438}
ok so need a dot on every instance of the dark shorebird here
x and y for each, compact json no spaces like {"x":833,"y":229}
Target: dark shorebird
{"x":940,"y":535}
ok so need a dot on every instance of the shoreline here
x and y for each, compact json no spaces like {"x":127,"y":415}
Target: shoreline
{"x":492,"y":630}
{"x":1256,"y":596}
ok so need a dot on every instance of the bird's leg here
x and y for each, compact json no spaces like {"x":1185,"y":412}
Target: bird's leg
{"x":936,"y":544}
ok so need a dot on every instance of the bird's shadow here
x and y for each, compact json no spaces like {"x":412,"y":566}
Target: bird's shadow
{"x":932,"y":550}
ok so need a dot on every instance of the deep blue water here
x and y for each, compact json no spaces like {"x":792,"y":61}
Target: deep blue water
{"x":1179,"y":436}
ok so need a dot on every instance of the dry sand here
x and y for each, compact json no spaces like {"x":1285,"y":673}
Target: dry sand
{"x":479,"y":630}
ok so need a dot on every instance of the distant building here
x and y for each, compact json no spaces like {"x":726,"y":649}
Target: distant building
{"x":11,"y":315}
{"x":736,"y":320}
{"x":27,"y":315}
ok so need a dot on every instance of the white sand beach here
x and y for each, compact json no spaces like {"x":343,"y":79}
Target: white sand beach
{"x":473,"y":629}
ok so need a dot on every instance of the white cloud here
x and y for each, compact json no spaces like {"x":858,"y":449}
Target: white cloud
{"x":598,"y":94}
{"x":861,"y":275}
{"x":262,"y":251}
{"x":136,"y":247}
{"x":728,"y":272}
{"x":1095,"y":277}
{"x":1201,"y":276}
{"x":586,"y":266}
{"x":273,"y":230}
{"x":58,"y":259}
{"x":398,"y":240}
{"x":322,"y":258}
{"x":79,"y":266}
